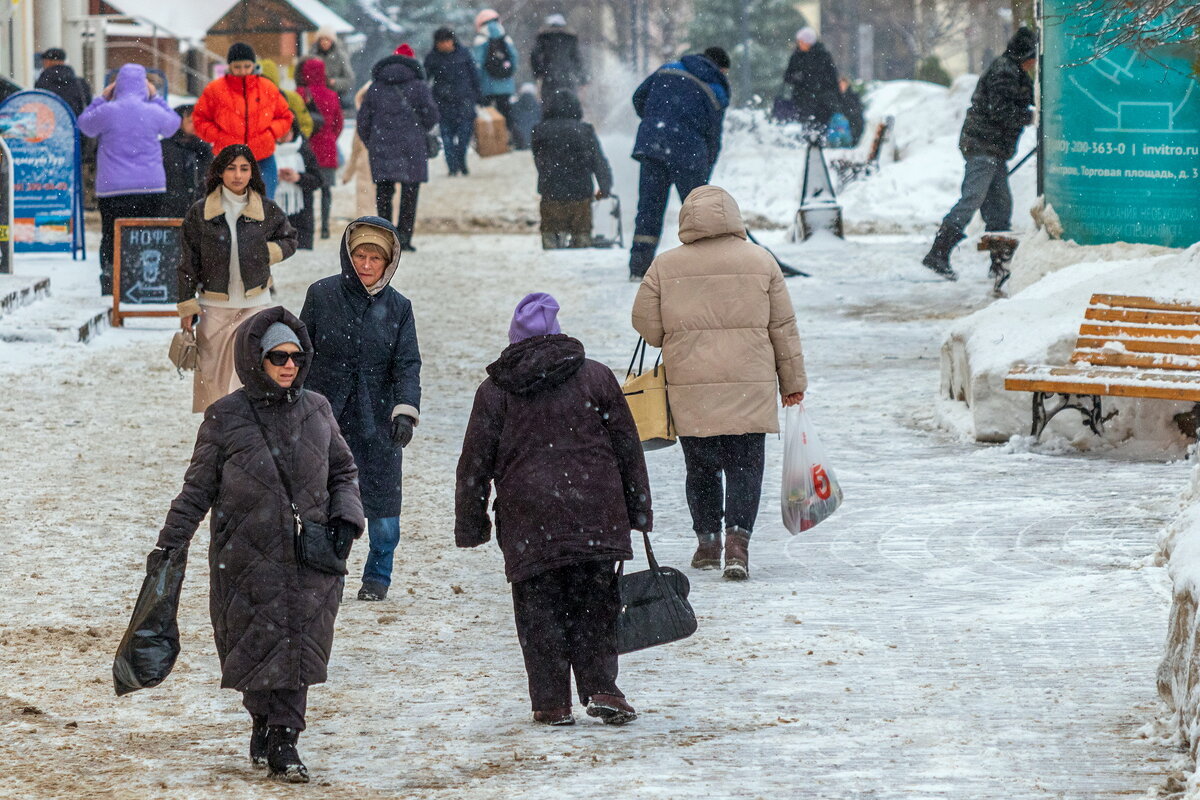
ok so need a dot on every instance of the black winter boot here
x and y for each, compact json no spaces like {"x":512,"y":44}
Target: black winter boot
{"x":938,"y":257}
{"x":258,"y":741}
{"x":371,"y":590}
{"x":1002,"y":248}
{"x":282,"y":758}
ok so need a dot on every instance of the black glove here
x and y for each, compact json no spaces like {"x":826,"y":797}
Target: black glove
{"x":157,"y":556}
{"x":346,"y":534}
{"x":402,"y":429}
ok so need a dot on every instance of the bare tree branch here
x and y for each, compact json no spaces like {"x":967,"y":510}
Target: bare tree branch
{"x":1139,"y":24}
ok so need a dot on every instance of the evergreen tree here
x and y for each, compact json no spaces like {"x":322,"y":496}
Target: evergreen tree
{"x":772,"y":27}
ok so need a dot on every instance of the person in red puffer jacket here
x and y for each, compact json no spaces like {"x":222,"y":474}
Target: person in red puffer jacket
{"x":315,"y":90}
{"x":244,"y":108}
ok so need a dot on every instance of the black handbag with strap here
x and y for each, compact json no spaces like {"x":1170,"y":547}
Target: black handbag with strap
{"x":317,"y":545}
{"x":654,"y":606}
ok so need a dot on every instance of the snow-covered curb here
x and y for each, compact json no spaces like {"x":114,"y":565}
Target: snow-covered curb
{"x":1179,"y":671}
{"x":1039,"y":326}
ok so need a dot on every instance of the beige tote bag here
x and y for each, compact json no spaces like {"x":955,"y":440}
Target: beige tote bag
{"x":646,"y":394}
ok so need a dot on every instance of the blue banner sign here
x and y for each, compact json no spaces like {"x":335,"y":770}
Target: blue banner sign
{"x":41,"y":133}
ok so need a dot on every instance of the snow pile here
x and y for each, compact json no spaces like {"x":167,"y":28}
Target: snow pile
{"x":762,"y":164}
{"x":1179,"y":548}
{"x":1040,"y":325}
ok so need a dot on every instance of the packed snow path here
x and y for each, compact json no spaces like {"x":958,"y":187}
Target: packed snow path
{"x":973,"y":623}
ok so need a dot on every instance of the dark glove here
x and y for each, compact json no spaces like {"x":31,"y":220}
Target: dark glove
{"x":157,"y":556}
{"x":346,"y":533}
{"x":402,"y":429}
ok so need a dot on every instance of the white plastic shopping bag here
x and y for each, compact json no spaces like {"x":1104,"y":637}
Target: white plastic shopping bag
{"x":810,"y":490}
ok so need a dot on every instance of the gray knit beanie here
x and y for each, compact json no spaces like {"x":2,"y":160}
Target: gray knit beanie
{"x":276,"y":335}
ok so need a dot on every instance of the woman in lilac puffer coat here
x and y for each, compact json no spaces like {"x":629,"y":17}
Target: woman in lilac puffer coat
{"x":127,"y":118}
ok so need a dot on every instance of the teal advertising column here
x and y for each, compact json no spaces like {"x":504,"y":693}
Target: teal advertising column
{"x":1120,"y":137}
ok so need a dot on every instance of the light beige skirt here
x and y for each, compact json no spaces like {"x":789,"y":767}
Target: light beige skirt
{"x":215,"y":374}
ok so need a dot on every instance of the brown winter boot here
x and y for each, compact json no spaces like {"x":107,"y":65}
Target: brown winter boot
{"x":737,"y":554}
{"x":555,"y":716}
{"x":708,"y":552}
{"x":611,"y":710}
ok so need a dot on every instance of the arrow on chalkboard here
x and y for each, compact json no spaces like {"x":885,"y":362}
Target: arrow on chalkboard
{"x":141,"y":293}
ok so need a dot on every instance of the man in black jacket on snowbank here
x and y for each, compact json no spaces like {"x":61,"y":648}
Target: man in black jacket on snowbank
{"x":1001,"y":107}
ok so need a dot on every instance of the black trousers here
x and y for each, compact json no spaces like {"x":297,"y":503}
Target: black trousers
{"x":121,"y":206}
{"x":384,"y":191}
{"x":740,"y":461}
{"x":567,"y":621}
{"x":284,"y":707}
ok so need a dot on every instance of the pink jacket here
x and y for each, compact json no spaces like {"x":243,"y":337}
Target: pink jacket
{"x":314,"y":90}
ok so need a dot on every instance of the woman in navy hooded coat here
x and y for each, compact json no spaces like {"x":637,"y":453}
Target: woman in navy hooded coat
{"x":367,"y":364}
{"x":397,"y":113}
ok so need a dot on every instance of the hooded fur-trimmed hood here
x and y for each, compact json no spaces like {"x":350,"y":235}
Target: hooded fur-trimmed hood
{"x":389,"y":271}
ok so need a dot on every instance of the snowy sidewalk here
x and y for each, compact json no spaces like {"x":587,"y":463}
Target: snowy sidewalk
{"x":971,"y":624}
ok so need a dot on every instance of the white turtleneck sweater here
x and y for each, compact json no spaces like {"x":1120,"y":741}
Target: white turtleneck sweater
{"x":234,"y":205}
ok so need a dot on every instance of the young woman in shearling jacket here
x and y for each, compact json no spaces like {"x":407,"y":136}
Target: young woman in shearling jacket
{"x":230,"y":241}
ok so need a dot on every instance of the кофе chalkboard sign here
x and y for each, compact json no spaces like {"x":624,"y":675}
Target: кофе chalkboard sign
{"x":145,"y":263}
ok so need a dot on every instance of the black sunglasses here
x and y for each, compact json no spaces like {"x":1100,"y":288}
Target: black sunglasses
{"x":280,"y":357}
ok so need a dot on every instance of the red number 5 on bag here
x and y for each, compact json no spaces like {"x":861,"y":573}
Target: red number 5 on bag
{"x":821,"y":482}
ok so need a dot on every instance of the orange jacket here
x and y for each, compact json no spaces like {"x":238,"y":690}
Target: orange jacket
{"x":248,"y":110}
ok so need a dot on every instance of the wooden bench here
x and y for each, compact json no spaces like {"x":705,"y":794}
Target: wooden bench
{"x":1127,"y":347}
{"x":848,"y":170}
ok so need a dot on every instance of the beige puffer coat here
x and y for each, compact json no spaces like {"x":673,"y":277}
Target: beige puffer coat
{"x":720,"y":310}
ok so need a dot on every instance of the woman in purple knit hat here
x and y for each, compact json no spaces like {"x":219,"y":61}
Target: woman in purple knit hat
{"x":551,"y":429}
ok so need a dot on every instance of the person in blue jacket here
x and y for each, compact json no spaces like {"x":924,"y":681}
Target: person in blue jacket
{"x":367,"y":364}
{"x":496,"y":58}
{"x":682,"y":106}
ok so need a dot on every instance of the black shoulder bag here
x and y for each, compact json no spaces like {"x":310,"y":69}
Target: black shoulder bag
{"x":654,"y":606}
{"x":317,"y":545}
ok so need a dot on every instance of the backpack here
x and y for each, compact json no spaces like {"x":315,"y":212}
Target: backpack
{"x":496,"y":61}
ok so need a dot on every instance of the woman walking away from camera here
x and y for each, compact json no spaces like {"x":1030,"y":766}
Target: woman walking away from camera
{"x":367,"y":363}
{"x":230,"y":242}
{"x":720,"y":311}
{"x":272,"y":616}
{"x":393,"y":122}
{"x":127,"y":118}
{"x":496,"y":59}
{"x":551,"y":429}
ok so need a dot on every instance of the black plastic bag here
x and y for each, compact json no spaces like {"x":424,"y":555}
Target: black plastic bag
{"x":148,"y":650}
{"x":654,"y":606}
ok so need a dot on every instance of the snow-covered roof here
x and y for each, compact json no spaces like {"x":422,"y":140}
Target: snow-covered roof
{"x":192,"y":21}
{"x":320,"y":14}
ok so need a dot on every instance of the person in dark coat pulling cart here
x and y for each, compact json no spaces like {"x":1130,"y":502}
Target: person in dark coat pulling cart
{"x":272,"y":616}
{"x":551,"y":429}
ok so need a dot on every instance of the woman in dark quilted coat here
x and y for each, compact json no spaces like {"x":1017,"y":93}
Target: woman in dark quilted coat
{"x":552,"y":430}
{"x":272,"y":618}
{"x":393,"y":121}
